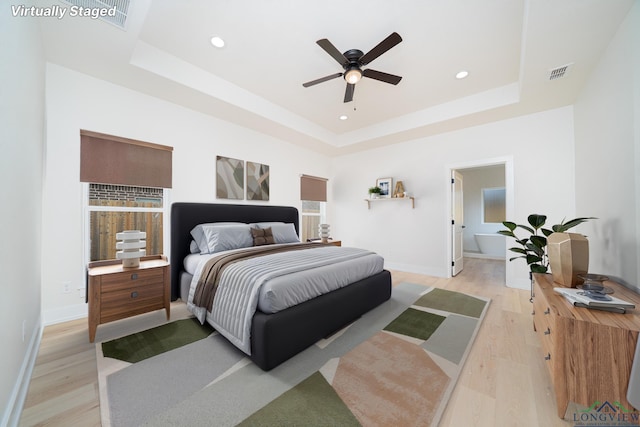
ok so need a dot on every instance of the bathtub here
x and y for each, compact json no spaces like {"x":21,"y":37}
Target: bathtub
{"x":491,"y":245}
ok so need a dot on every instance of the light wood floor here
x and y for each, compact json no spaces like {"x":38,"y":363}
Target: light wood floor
{"x":503,"y":383}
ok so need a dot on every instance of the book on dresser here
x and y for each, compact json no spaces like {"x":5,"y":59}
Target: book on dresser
{"x":579,"y":298}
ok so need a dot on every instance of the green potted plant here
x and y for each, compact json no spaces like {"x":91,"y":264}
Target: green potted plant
{"x":533,"y":248}
{"x":374,"y":192}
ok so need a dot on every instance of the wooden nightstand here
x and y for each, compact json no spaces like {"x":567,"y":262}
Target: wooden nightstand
{"x":115,"y":292}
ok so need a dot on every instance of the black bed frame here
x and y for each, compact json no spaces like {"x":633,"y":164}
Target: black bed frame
{"x":279,"y":336}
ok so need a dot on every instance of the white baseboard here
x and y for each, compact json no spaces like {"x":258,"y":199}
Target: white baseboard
{"x":12,"y":412}
{"x":483,"y":256}
{"x":64,"y":314}
{"x":418,"y":269}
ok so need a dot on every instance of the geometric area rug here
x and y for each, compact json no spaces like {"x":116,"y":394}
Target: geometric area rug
{"x":396,"y":365}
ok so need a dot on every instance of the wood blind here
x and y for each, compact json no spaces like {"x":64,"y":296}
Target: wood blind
{"x":108,"y":159}
{"x":313,"y":188}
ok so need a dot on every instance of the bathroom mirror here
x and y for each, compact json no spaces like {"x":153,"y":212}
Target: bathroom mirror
{"x":493,"y":205}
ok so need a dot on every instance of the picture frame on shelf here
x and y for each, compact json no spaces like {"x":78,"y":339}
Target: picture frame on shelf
{"x":385,"y":185}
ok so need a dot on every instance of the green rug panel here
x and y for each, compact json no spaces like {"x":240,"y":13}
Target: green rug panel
{"x":313,"y":402}
{"x":142,"y":345}
{"x":453,"y":302}
{"x":415,"y":323}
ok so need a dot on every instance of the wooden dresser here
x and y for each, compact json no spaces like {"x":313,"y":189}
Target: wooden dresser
{"x":589,"y":353}
{"x":115,"y":292}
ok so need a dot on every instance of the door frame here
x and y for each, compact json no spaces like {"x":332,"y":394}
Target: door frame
{"x":507,"y":161}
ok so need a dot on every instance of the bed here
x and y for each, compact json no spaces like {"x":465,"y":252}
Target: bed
{"x":275,"y":337}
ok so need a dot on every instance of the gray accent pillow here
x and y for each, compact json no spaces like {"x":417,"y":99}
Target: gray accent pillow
{"x":199,"y":236}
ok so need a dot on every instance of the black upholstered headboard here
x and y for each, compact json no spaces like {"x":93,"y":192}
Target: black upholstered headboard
{"x":185,"y":216}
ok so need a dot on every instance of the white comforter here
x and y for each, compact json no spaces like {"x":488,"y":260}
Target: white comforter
{"x":278,"y":281}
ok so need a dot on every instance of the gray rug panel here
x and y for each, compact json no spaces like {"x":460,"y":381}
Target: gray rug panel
{"x":451,"y":339}
{"x":148,"y":387}
{"x":232,"y":399}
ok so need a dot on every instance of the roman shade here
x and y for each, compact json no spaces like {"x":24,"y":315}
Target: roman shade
{"x":108,"y":159}
{"x":313,"y":188}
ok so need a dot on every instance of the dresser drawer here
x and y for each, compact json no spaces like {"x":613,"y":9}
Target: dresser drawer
{"x":123,"y":281}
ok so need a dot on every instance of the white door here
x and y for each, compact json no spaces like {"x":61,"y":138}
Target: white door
{"x":457,"y":225}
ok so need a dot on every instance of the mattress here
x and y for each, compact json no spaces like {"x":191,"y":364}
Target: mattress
{"x":294,"y":288}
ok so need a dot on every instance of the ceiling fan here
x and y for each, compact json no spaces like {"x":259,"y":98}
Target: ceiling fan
{"x":353,"y":60}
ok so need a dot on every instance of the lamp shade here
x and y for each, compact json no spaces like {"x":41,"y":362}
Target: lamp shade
{"x":130,"y":247}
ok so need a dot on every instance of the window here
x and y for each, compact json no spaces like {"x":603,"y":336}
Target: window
{"x":313,"y":214}
{"x":313,"y":194}
{"x":126,"y":188}
{"x":493,"y":202}
{"x":115,"y":208}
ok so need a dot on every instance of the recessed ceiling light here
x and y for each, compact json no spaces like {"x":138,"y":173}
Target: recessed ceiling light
{"x":217,"y":42}
{"x":462,"y":74}
{"x":343,"y":117}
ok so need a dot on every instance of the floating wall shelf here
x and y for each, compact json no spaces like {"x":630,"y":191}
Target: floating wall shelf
{"x":387,"y":199}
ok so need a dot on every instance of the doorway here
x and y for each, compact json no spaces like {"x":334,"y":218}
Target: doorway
{"x":468,"y":224}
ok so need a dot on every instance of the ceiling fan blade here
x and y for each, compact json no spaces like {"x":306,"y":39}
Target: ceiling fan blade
{"x":331,"y":50}
{"x":383,"y":77}
{"x":322,"y":79}
{"x":381,"y":48}
{"x":348,"y":94}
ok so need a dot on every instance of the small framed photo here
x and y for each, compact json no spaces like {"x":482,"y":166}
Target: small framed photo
{"x":385,"y":185}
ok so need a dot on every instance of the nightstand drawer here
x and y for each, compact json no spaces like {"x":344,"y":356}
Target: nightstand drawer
{"x":134,"y":300}
{"x":122,"y":281}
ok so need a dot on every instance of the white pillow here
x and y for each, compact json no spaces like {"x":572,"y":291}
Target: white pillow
{"x":193,"y":247}
{"x":198,"y":233}
{"x":282,"y":232}
{"x":228,"y":237}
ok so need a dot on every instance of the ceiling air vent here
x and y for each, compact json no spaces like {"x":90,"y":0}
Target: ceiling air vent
{"x":560,"y":72}
{"x":122,"y":8}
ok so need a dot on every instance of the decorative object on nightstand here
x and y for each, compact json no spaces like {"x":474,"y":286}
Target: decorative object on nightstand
{"x":130,"y":247}
{"x":115,"y":292}
{"x":323,"y":231}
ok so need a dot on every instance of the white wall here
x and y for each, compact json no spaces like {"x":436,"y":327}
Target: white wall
{"x":607,"y":121}
{"x":475,"y":180}
{"x":76,"y":101}
{"x":418,"y":239}
{"x":21,"y":141}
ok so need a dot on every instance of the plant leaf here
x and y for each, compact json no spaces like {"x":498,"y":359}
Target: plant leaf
{"x":539,"y":241}
{"x":547,"y":232}
{"x":537,"y":268}
{"x":532,"y":259}
{"x":536,"y":220}
{"x":508,"y":233}
{"x":564,"y":226}
{"x":518,"y":250}
{"x":510,"y":225}
{"x":529,"y":229}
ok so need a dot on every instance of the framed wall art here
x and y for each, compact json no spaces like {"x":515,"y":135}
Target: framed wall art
{"x":257,"y":181}
{"x":229,"y":178}
{"x":385,"y":185}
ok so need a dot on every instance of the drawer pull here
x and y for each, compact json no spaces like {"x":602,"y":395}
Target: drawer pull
{"x":547,"y":357}
{"x":134,"y":276}
{"x":134,"y":294}
{"x":533,"y":313}
{"x":548,"y":331}
{"x":547,"y":311}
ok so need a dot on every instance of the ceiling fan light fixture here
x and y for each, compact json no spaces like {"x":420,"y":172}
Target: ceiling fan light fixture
{"x":353,"y":75}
